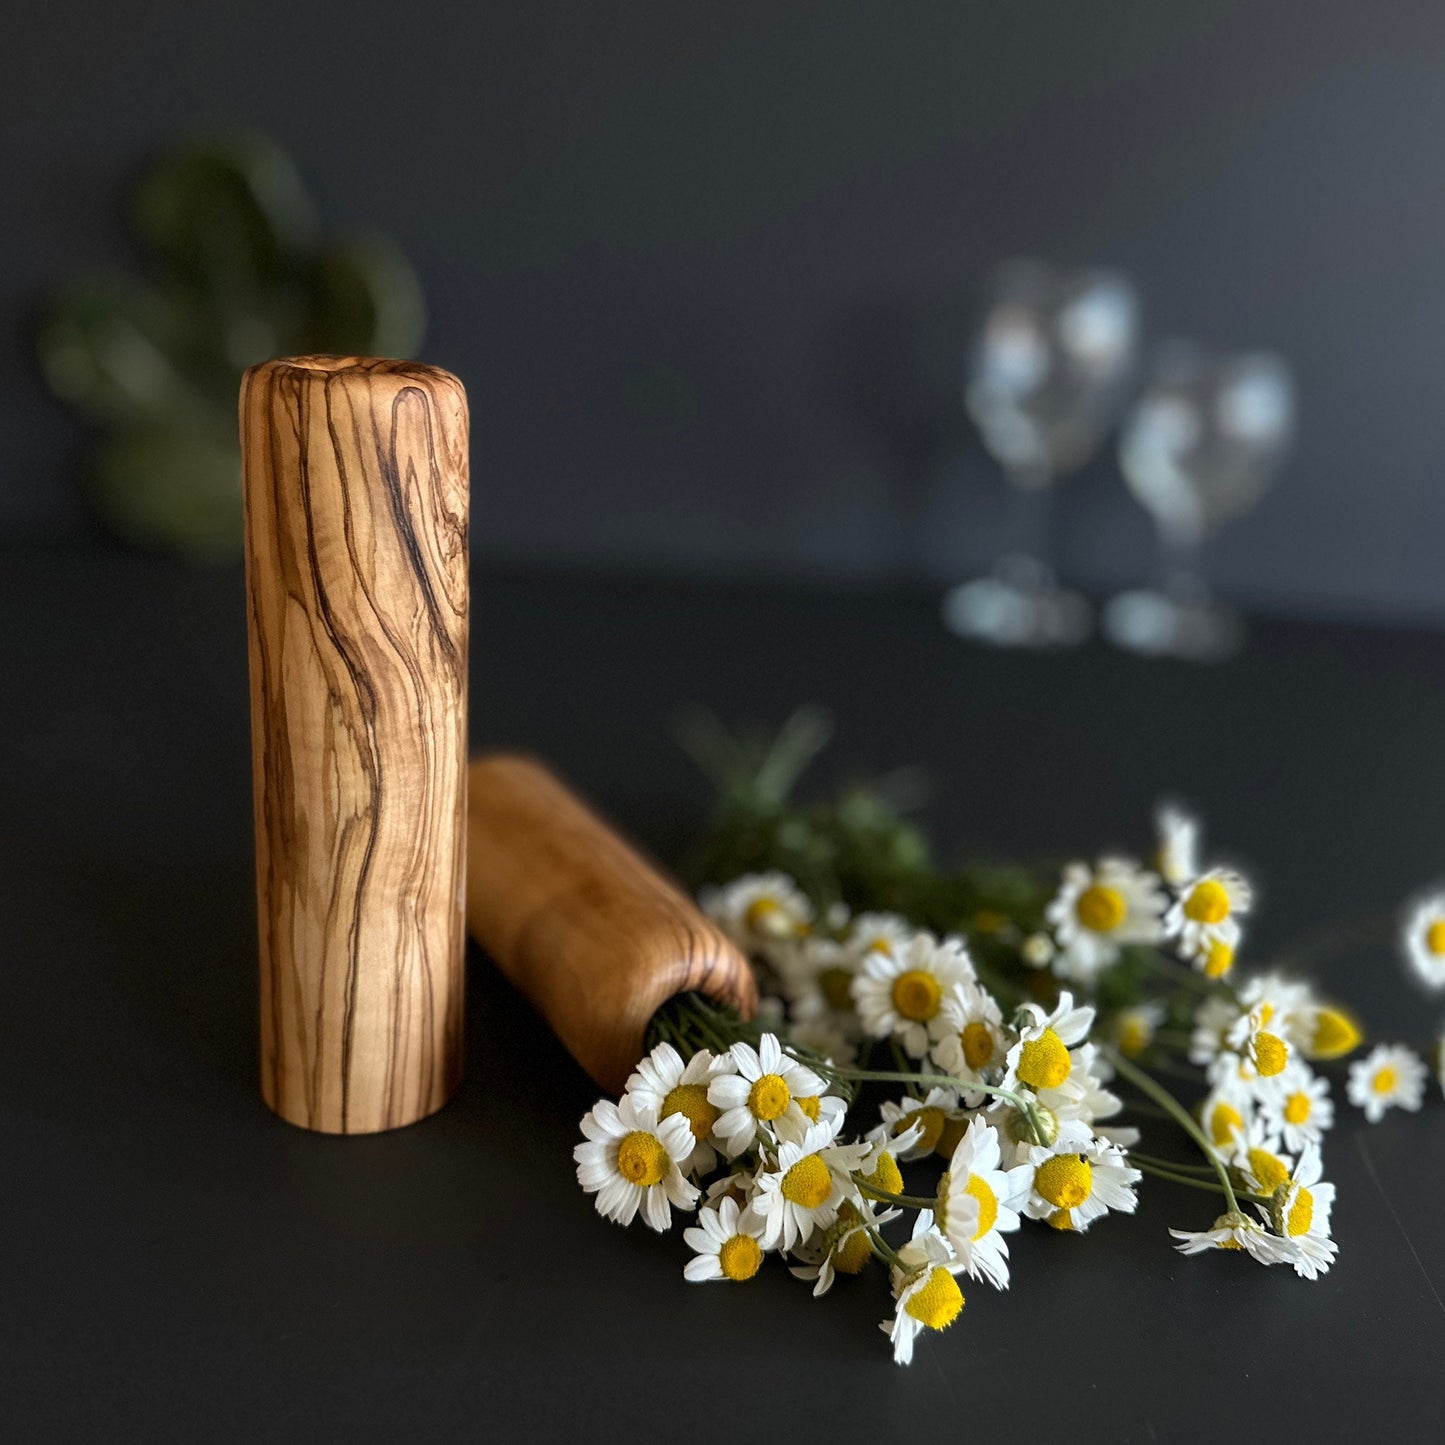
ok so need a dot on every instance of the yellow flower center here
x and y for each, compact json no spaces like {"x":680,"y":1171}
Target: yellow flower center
{"x":977,"y":1041}
{"x":1271,"y":1054}
{"x":987,"y":1204}
{"x":1044,"y":1062}
{"x":916,"y":995}
{"x":808,"y":1103}
{"x":1435,"y":937}
{"x":764,"y":915}
{"x":1297,"y":1108}
{"x":740,"y":1257}
{"x":950,"y":1136}
{"x":1335,"y":1034}
{"x":1268,"y":1171}
{"x":932,"y":1120}
{"x":986,"y":920}
{"x":1218,"y":960}
{"x":641,"y":1159}
{"x":1100,"y":909}
{"x":881,"y":944}
{"x":853,"y":1254}
{"x":855,"y":1251}
{"x":769,"y":1098}
{"x":937,"y":1301}
{"x":1385,"y":1080}
{"x":835,"y":984}
{"x":808,"y":1183}
{"x":886,"y":1176}
{"x":1208,"y":902}
{"x":1301,"y":1214}
{"x":1061,"y":1219}
{"x":1223,"y":1121}
{"x":1135,"y":1035}
{"x":690,"y":1100}
{"x":1065,"y":1180}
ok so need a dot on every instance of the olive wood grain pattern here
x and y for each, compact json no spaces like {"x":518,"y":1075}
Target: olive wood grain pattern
{"x":579,"y":922}
{"x":356,"y":572}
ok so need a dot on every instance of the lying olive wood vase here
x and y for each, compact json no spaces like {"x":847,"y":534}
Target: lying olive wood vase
{"x":580,"y":923}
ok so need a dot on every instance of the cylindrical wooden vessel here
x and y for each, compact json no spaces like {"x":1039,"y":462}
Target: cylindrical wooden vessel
{"x":594,"y":935}
{"x":356,"y":570}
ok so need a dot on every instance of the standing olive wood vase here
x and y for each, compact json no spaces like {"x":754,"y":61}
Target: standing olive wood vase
{"x":356,"y":570}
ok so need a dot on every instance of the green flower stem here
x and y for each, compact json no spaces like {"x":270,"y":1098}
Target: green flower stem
{"x":1154,"y":1162}
{"x":1156,"y":1172}
{"x":885,"y":1251}
{"x":887,"y":1196}
{"x":1180,"y":974}
{"x":1176,"y":1111}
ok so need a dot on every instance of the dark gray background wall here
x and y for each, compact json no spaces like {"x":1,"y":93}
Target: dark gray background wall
{"x":706,"y":269}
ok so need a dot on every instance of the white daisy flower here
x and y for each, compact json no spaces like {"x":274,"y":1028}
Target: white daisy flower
{"x":1037,"y":951}
{"x":1178,"y":857}
{"x":1235,"y":1231}
{"x":972,"y":1042}
{"x":903,"y":994}
{"x":887,"y":1143}
{"x":767,"y":1091}
{"x":1213,"y":1020}
{"x":878,"y":933}
{"x":1289,"y":1006}
{"x":1326,"y":1032}
{"x":737,"y":1186}
{"x":1043,"y":1057}
{"x":1226,"y":1111}
{"x":844,"y":1248}
{"x":934,"y":1122}
{"x":802,"y":1191}
{"x":1299,"y":1110}
{"x":759,"y":911}
{"x":1133,"y":1028}
{"x":1423,"y":938}
{"x":1206,"y":914}
{"x":978,"y":1202}
{"x":1097,"y":911}
{"x":664,"y":1083}
{"x":631,"y":1161}
{"x":1257,"y":1037}
{"x":1078,"y":1179}
{"x":925,"y":1292}
{"x":1300,"y":1214}
{"x":1257,"y":1160}
{"x":1390,"y":1076}
{"x":1084,"y":1096}
{"x":725,"y":1244}
{"x":817,"y":977}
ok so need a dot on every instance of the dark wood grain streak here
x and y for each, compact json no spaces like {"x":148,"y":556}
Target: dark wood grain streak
{"x":356,"y":572}
{"x":593,"y":934}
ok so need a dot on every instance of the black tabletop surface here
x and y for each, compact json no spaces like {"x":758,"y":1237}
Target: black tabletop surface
{"x":178,"y":1264}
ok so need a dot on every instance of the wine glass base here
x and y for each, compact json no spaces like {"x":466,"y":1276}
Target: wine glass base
{"x":1155,"y":624}
{"x":1020,"y":606}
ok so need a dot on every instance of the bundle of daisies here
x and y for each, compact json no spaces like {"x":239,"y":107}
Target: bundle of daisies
{"x":1012,"y":1030}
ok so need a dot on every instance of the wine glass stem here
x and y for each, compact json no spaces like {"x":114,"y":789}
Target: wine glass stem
{"x":1179,"y":549}
{"x":1035,"y":523}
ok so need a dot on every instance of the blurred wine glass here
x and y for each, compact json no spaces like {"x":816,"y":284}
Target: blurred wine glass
{"x":1046,"y":376}
{"x":1201,"y":446}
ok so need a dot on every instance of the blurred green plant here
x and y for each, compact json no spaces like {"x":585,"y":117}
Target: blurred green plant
{"x":236,"y":270}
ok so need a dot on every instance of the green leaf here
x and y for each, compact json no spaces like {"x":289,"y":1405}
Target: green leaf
{"x":366,"y":300}
{"x":231,"y":216}
{"x":110,"y":348}
{"x":170,"y":490}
